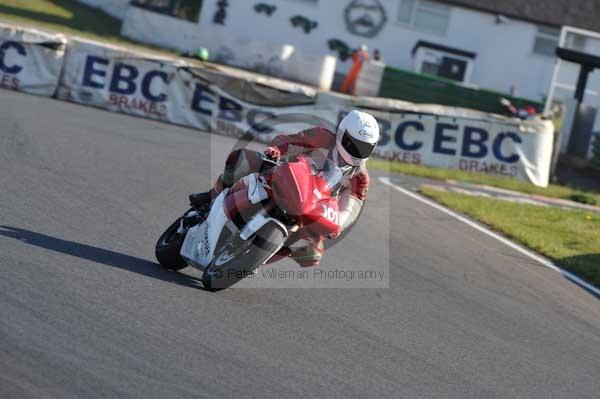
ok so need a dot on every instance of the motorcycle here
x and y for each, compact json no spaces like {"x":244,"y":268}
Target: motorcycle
{"x":255,"y":221}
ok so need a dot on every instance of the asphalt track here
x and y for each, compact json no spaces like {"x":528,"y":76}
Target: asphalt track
{"x":85,"y":312}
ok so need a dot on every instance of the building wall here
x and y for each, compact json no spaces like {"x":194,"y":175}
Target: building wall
{"x":504,"y":51}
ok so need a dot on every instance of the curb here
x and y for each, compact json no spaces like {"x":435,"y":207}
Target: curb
{"x":497,"y":236}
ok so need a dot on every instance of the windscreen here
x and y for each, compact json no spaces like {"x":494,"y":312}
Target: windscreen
{"x":332,"y":174}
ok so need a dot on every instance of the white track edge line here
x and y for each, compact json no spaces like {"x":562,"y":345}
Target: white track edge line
{"x":504,"y":240}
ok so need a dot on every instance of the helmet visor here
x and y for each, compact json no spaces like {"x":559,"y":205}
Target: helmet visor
{"x":357,"y":148}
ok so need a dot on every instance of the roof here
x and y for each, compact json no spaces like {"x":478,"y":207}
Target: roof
{"x":584,"y":14}
{"x":446,"y":49}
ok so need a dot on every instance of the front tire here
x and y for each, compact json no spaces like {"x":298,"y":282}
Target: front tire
{"x":266,"y":242}
{"x":168,"y":247}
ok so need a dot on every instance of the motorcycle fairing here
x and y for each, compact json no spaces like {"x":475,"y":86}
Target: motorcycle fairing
{"x":306,"y":196}
{"x":200,"y":242}
{"x":199,"y":246}
{"x":257,"y":188}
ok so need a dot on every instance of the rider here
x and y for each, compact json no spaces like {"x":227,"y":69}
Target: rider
{"x":356,"y":138}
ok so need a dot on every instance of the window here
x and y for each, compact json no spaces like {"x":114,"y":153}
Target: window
{"x":426,"y":16}
{"x":546,"y":41}
{"x":441,"y":60}
{"x":184,"y":9}
{"x":576,"y":42}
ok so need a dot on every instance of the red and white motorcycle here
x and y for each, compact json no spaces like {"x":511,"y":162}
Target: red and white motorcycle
{"x":255,"y":221}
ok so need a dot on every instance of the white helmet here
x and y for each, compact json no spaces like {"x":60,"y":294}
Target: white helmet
{"x":357,"y":137}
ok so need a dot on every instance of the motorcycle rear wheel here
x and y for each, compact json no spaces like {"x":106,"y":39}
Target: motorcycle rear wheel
{"x":266,"y":242}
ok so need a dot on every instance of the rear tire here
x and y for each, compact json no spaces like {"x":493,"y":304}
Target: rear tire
{"x":266,"y":242}
{"x":168,"y":247}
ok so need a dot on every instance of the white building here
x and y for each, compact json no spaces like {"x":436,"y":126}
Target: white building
{"x":505,"y":45}
{"x":511,"y":42}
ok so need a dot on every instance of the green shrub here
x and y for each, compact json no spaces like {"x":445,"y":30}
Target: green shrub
{"x":584,"y":199}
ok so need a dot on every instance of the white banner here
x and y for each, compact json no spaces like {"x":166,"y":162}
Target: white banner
{"x":119,"y":80}
{"x":142,"y":84}
{"x":454,"y":138}
{"x":30,"y":61}
{"x":204,"y":98}
{"x":510,"y":150}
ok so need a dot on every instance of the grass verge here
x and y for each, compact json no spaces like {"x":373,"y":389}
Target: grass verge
{"x":553,"y":190}
{"x":69,"y":17}
{"x":571,"y":238}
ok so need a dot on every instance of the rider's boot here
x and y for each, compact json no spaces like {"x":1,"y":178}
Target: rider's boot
{"x":309,"y":255}
{"x":200,"y":199}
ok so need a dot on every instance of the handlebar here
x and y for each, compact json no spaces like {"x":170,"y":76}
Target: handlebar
{"x":271,"y":161}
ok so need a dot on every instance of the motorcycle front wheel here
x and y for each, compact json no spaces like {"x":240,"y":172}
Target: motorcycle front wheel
{"x":168,"y":247}
{"x":231,"y":266}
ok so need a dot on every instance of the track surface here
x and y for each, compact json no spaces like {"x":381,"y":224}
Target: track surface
{"x":85,"y":312}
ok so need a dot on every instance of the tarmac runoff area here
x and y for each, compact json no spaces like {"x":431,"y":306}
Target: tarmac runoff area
{"x":87,"y":312}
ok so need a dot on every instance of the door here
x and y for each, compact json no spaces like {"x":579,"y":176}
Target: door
{"x":452,"y":68}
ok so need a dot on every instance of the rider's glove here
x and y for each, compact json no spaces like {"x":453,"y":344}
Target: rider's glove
{"x":272,"y":153}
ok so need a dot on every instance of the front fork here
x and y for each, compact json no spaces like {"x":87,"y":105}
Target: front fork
{"x":191,"y":218}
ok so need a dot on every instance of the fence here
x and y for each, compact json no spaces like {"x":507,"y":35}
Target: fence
{"x":428,"y":89}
